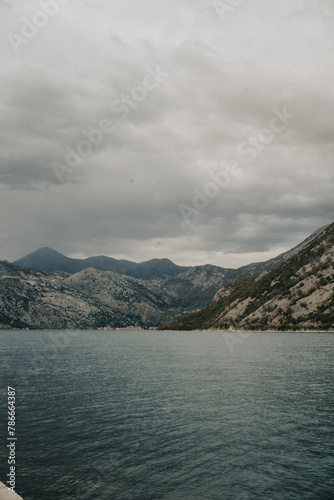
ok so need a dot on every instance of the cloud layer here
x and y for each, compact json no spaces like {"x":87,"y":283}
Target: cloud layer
{"x":199,"y":131}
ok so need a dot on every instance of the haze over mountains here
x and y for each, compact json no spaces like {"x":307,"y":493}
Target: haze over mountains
{"x":60,"y":292}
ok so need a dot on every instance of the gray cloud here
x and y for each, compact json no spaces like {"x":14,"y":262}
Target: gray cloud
{"x":219,"y":85}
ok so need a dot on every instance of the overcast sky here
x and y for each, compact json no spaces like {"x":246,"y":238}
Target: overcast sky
{"x":216,"y":127}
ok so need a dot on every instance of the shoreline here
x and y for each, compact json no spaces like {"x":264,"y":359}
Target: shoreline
{"x":156,"y":329}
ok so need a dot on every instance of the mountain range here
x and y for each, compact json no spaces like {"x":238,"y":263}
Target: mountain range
{"x":46,"y":289}
{"x":47,"y":259}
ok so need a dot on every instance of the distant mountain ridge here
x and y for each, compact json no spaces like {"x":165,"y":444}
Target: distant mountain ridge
{"x":47,"y":259}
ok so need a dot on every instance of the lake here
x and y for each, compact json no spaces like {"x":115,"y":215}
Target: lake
{"x":169,"y":415}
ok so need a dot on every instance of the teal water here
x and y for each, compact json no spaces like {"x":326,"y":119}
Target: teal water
{"x":169,"y":415}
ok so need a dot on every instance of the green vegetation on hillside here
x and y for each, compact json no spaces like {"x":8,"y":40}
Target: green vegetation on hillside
{"x":297,"y":295}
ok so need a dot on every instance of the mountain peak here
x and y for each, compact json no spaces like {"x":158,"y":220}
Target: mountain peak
{"x":47,"y":250}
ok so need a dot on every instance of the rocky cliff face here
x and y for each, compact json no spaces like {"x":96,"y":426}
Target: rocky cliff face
{"x":142,"y":303}
{"x":259,"y":267}
{"x":298,"y":295}
{"x":33,"y":299}
{"x":196,"y":287}
{"x":88,"y":299}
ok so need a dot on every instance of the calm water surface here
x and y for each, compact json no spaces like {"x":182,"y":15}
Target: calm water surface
{"x":169,"y":416}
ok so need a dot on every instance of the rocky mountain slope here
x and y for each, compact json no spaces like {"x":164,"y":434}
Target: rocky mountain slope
{"x":196,"y":287}
{"x":259,"y":267}
{"x":297,"y":295}
{"x":90,"y":299}
{"x":33,"y":299}
{"x":144,"y":303}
